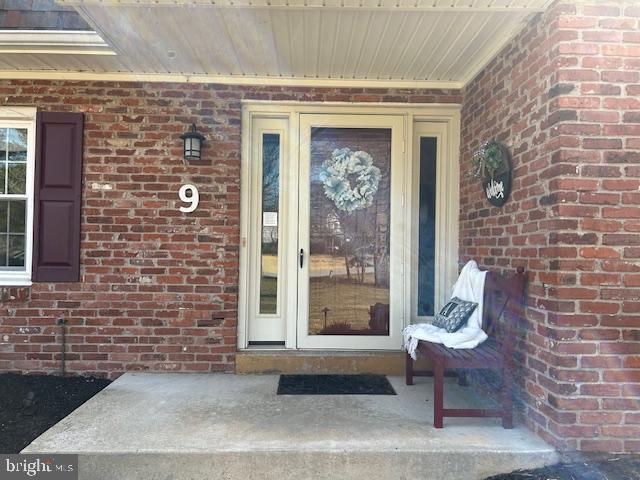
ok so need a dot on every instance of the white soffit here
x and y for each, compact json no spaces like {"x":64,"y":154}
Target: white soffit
{"x":418,"y":43}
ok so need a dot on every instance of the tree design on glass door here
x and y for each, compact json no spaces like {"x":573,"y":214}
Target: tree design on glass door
{"x":350,"y":204}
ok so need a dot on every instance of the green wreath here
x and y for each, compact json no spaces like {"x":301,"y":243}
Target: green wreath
{"x":488,"y":160}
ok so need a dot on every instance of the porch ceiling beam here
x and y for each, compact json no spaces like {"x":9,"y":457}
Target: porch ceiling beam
{"x":53,"y":42}
{"x":462,"y":6}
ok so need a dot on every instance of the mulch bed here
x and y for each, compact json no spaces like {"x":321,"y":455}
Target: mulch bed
{"x":31,"y":404}
{"x":585,"y":467}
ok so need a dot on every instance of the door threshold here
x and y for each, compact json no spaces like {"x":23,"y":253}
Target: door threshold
{"x":383,"y":362}
{"x":267,"y":347}
{"x":281,"y":350}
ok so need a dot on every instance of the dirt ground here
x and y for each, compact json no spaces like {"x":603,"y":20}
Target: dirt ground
{"x":31,"y":404}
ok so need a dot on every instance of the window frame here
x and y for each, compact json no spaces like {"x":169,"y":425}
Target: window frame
{"x":447,"y":211}
{"x":416,"y":210}
{"x":269,"y":327}
{"x":24,"y":118}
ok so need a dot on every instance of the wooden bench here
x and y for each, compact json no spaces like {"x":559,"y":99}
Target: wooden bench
{"x":503,"y":299}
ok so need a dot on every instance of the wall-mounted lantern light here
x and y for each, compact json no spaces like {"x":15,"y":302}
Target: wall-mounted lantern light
{"x":192,"y":143}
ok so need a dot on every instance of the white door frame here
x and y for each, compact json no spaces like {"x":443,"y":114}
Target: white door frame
{"x":448,"y":198}
{"x":397,"y":239}
{"x":269,"y":327}
{"x":447,"y":206}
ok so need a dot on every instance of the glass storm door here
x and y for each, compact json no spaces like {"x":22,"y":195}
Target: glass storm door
{"x":350,"y":233}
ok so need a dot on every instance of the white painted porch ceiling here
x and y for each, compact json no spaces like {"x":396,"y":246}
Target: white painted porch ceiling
{"x":419,"y":42}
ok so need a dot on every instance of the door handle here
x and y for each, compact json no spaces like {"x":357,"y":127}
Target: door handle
{"x":301,"y":257}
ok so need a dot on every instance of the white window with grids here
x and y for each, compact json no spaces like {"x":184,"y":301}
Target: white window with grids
{"x":17,"y":158}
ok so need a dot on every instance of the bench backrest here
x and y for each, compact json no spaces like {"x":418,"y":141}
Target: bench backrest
{"x":503,"y":305}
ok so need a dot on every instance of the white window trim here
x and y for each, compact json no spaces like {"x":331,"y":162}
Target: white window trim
{"x":23,"y":117}
{"x":270,"y":322}
{"x":447,"y":209}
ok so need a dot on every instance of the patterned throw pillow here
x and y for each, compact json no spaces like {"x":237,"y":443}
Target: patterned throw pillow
{"x":454,"y":314}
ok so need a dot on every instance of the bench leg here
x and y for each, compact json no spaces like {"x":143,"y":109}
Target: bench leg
{"x":507,"y":397}
{"x":408,"y":369}
{"x":438,"y":395}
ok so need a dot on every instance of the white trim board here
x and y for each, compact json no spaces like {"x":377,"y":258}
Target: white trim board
{"x":27,"y":114}
{"x":532,"y":6}
{"x":52,"y":42}
{"x":224,"y":79}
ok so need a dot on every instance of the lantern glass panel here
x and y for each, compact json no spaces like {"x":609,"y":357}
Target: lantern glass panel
{"x":192,"y":144}
{"x":195,"y":147}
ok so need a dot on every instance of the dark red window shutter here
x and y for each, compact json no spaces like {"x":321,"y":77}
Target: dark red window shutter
{"x":58,"y":190}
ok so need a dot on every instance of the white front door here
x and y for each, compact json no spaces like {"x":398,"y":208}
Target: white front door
{"x":350,"y":231}
{"x":349,"y":224}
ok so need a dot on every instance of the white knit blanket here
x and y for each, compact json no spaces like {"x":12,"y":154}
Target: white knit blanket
{"x":470,"y":287}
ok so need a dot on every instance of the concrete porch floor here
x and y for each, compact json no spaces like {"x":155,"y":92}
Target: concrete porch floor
{"x":200,"y":426}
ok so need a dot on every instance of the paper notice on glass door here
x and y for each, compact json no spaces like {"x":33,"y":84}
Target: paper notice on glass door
{"x":269,"y":219}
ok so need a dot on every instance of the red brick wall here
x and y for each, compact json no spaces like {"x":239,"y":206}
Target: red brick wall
{"x":159,"y":288}
{"x":564,"y":97}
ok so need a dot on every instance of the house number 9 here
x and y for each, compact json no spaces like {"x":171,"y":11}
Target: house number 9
{"x":189,"y":194}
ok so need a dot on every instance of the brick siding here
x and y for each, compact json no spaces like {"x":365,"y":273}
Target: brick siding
{"x":158,"y":288}
{"x":564,"y":97}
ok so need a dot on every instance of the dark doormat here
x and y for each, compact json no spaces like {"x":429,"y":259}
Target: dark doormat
{"x":334,"y":385}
